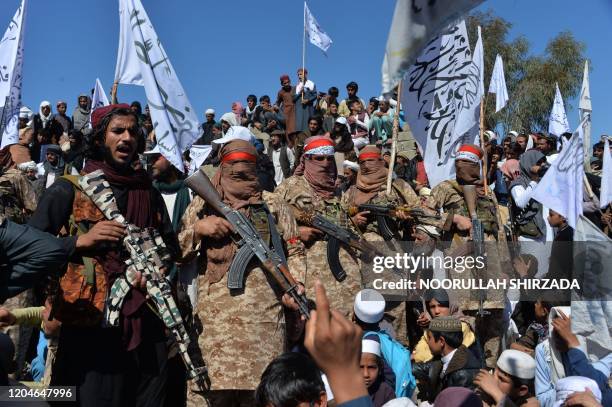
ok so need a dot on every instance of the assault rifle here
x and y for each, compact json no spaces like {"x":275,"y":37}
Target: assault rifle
{"x":148,"y":256}
{"x":384,"y":213}
{"x":469,"y":193}
{"x":337,"y":236}
{"x":251,"y":243}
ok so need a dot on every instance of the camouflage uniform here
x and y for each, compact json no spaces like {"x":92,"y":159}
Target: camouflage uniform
{"x":449,"y":197}
{"x":241,"y":333}
{"x":401,"y":193}
{"x":299,"y":194}
{"x":17,"y":198}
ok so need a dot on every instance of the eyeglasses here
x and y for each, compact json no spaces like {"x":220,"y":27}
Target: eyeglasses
{"x":322,"y":158}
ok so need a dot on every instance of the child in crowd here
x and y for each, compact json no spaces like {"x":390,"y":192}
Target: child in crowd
{"x":453,"y":365}
{"x":371,"y":365}
{"x":438,"y":304}
{"x":538,"y":330}
{"x":512,"y":383}
{"x":290,"y":379}
{"x":368,"y":312}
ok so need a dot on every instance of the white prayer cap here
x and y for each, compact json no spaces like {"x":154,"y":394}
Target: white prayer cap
{"x":369,"y":306}
{"x":209,"y":111}
{"x":45,"y":103}
{"x":370,"y":346}
{"x":25,"y":113}
{"x":517,"y":364}
{"x":350,"y":164}
{"x":342,"y":120}
{"x":29,"y":165}
{"x":430,"y":230}
{"x":513,"y":133}
{"x":400,"y":402}
{"x":490,"y":134}
{"x":235,"y":133}
{"x":572,"y":384}
{"x":154,"y":150}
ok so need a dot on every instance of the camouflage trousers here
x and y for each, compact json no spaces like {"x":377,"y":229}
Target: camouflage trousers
{"x":489,"y":331}
{"x":225,"y":398}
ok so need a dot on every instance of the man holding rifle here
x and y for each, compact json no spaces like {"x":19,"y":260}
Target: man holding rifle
{"x":474,"y":217}
{"x":111,"y":365}
{"x":240,"y":328}
{"x":310,"y":192}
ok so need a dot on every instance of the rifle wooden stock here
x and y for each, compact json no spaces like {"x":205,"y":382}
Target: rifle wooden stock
{"x":202,"y":186}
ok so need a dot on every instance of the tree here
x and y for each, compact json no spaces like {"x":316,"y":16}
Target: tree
{"x":530,"y":78}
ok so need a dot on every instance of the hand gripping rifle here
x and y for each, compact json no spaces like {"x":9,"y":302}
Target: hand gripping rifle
{"x":337,"y":236}
{"x":384,"y":213}
{"x":148,"y":255}
{"x":469,"y":193}
{"x":270,"y":260}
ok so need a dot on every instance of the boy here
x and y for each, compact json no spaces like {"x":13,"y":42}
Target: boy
{"x":512,"y":383}
{"x":291,"y":378}
{"x":454,"y":365}
{"x":371,"y":365}
{"x":561,"y":254}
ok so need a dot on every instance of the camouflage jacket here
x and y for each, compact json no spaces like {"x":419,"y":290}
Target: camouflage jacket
{"x":17,"y":196}
{"x":296,"y":192}
{"x":239,"y":332}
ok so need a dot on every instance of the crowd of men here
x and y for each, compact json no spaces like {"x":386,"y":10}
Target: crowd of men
{"x":284,"y":164}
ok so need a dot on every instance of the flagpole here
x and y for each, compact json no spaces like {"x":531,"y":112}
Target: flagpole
{"x":114,"y":93}
{"x":304,"y":52}
{"x":482,"y":144}
{"x":394,"y":138}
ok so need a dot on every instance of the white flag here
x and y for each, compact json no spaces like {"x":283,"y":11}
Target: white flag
{"x":467,"y":125}
{"x":557,"y":122}
{"x":584,"y":110}
{"x":591,"y":305}
{"x":316,"y":35}
{"x":99,"y":99}
{"x":197,"y":154}
{"x":11,"y":65}
{"x":605,"y":194}
{"x":174,"y":120}
{"x":442,"y":83}
{"x":127,"y":69}
{"x":415,"y":24}
{"x":498,"y":84}
{"x":561,"y":188}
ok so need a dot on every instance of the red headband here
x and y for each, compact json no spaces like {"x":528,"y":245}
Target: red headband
{"x":365,"y":156}
{"x":318,"y":143}
{"x":471,"y":149}
{"x":238,"y":156}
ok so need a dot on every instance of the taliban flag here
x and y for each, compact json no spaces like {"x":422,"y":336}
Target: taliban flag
{"x":316,"y":35}
{"x":11,"y":64}
{"x":414,"y":24}
{"x":561,"y":188}
{"x":441,"y":97}
{"x":557,"y":122}
{"x":498,"y":84}
{"x":98,"y":99}
{"x":142,"y":60}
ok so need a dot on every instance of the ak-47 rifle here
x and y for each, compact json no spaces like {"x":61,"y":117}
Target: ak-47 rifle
{"x":384,"y":213}
{"x":250,"y":244}
{"x":336,"y":236}
{"x":469,"y":193}
{"x":148,"y":256}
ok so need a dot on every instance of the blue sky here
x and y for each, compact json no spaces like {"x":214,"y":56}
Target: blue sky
{"x":225,"y":50}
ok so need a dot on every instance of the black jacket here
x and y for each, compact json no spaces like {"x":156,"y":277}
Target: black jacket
{"x":461,"y":370}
